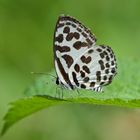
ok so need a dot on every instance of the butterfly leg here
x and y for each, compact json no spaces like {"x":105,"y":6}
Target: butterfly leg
{"x":78,"y":91}
{"x":59,"y":93}
{"x":62,"y":93}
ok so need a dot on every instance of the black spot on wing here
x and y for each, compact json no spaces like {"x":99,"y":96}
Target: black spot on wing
{"x":86,"y":79}
{"x":73,"y":25}
{"x":69,"y":36}
{"x":107,"y":71}
{"x":82,"y":74}
{"x":84,"y":34}
{"x":98,"y":75}
{"x":68,"y":23}
{"x":99,"y":50}
{"x":89,"y":41}
{"x":107,"y":65}
{"x":86,"y":69}
{"x":66,"y":30}
{"x":90,"y":51}
{"x":77,"y":68}
{"x":92,"y":84}
{"x":78,"y":44}
{"x":105,"y":78}
{"x":113,"y":70}
{"x":105,"y":53}
{"x":83,"y":86}
{"x":102,"y":55}
{"x":69,"y":60}
{"x":75,"y":78}
{"x":107,"y":58}
{"x":62,"y":48}
{"x":76,"y":35}
{"x":86,"y":59}
{"x":79,"y":30}
{"x":59,"y":38}
{"x":101,"y":64}
{"x":112,"y":63}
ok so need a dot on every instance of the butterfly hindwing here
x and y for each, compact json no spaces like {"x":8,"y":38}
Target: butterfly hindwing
{"x":94,"y":68}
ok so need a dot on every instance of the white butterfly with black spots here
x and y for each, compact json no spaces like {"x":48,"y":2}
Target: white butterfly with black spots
{"x":79,"y":63}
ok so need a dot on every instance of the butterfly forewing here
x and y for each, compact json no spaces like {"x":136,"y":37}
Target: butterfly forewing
{"x":71,"y":38}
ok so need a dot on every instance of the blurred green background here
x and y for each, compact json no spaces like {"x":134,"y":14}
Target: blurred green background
{"x":26,"y":38}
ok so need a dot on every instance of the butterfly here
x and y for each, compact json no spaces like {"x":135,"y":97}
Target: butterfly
{"x":79,"y":62}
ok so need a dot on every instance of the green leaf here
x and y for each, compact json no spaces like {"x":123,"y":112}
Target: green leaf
{"x":25,"y":107}
{"x":125,"y":86}
{"x":124,"y":91}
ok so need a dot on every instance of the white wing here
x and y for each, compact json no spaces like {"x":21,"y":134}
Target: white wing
{"x":94,"y":68}
{"x":71,"y":39}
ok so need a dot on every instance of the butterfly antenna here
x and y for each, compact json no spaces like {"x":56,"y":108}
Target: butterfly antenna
{"x":43,"y":73}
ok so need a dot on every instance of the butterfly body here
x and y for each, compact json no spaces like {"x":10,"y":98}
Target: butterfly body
{"x":79,"y":62}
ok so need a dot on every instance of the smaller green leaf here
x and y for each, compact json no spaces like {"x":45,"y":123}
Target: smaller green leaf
{"x":25,"y":107}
